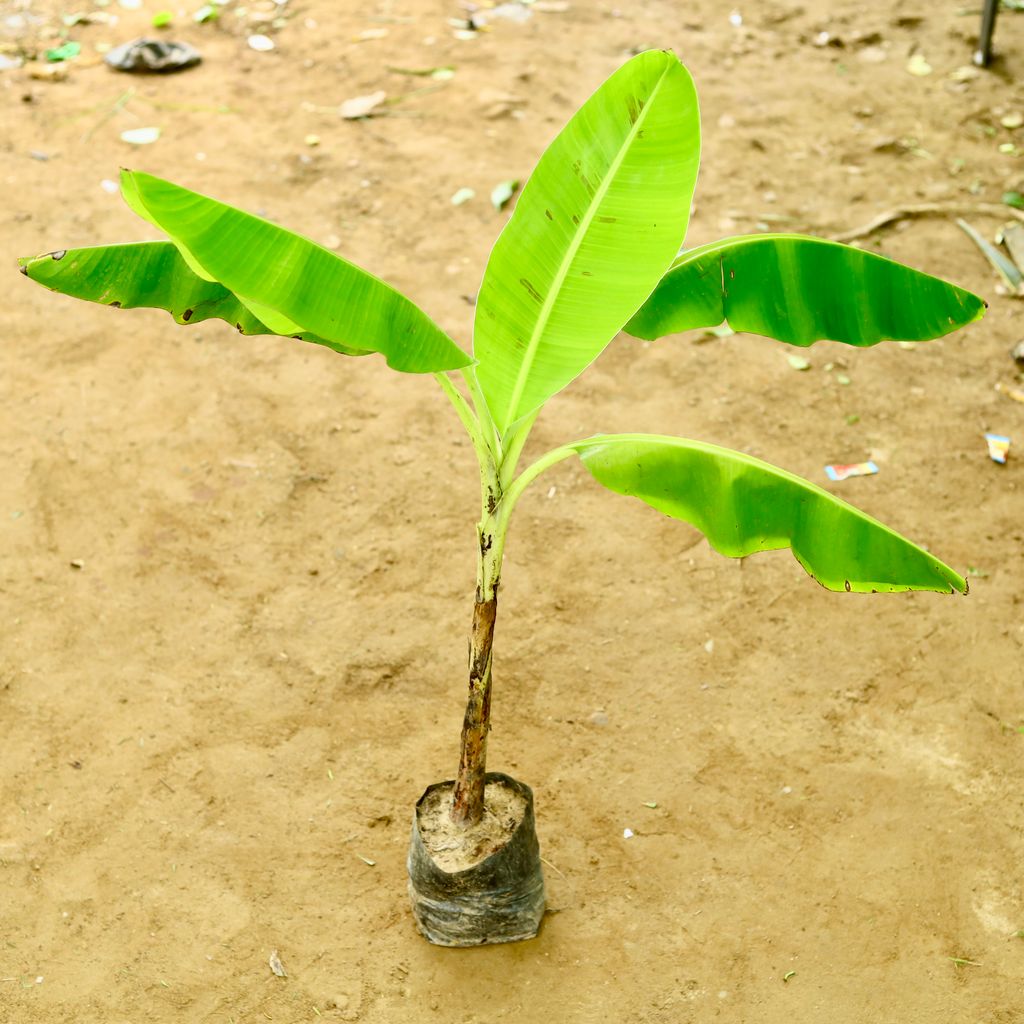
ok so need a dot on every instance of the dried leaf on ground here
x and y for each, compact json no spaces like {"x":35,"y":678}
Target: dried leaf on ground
{"x":362,"y":106}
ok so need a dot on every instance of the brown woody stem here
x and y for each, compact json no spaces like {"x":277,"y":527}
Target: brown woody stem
{"x":468,"y":798}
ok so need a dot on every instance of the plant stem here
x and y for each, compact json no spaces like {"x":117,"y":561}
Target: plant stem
{"x":468,"y":797}
{"x":483,"y":448}
{"x":514,"y":444}
{"x":465,"y":413}
{"x":515,"y":491}
{"x":497,"y":505}
{"x":483,"y":413}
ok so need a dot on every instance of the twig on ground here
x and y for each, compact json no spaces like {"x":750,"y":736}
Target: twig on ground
{"x":927,"y":210}
{"x":552,"y":866}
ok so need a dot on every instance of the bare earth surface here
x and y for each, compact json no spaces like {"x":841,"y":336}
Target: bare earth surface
{"x":236,"y":574}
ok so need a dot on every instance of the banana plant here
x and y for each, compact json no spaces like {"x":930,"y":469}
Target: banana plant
{"x":593,"y":247}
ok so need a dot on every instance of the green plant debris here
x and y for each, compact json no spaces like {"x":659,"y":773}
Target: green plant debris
{"x":440,"y":74}
{"x":798,"y":362}
{"x":652,"y":804}
{"x":162,"y":19}
{"x":66,"y":51}
{"x":962,"y":962}
{"x":191,"y":108}
{"x":788,"y":975}
{"x":1014,"y":199}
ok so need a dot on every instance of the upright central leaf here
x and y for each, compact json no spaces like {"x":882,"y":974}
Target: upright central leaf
{"x":596,"y":226}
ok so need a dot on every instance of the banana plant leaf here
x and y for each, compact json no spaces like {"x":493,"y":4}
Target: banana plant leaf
{"x":596,"y":226}
{"x":743,"y":505}
{"x":152,"y":275}
{"x":289,"y":283}
{"x":800,"y":290}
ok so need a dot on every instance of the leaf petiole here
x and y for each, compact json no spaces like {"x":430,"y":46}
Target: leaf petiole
{"x":490,"y":431}
{"x":515,"y":442}
{"x":515,"y":491}
{"x":484,"y":453}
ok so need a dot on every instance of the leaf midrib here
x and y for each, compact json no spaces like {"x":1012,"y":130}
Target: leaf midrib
{"x":559,"y":279}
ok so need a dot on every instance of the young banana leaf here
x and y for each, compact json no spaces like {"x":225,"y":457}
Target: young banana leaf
{"x":596,"y":226}
{"x":800,"y":290}
{"x":743,"y":505}
{"x":152,"y":275}
{"x":289,"y":285}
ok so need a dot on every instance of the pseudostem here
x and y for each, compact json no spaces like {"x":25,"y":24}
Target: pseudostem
{"x":468,"y":798}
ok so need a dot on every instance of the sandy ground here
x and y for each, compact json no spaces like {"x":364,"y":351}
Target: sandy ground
{"x":236,"y":574}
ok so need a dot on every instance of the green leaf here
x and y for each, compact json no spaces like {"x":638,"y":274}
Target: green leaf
{"x":800,"y":290}
{"x":66,"y":51}
{"x":743,"y":505}
{"x":596,"y":225}
{"x":149,"y":274}
{"x":289,"y":283}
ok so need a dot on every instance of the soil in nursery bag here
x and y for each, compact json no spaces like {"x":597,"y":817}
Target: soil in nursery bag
{"x":481,"y":884}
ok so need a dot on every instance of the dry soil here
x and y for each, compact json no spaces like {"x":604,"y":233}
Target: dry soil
{"x":236,"y":573}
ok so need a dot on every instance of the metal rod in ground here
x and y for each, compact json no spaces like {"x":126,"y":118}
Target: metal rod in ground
{"x":983,"y":55}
